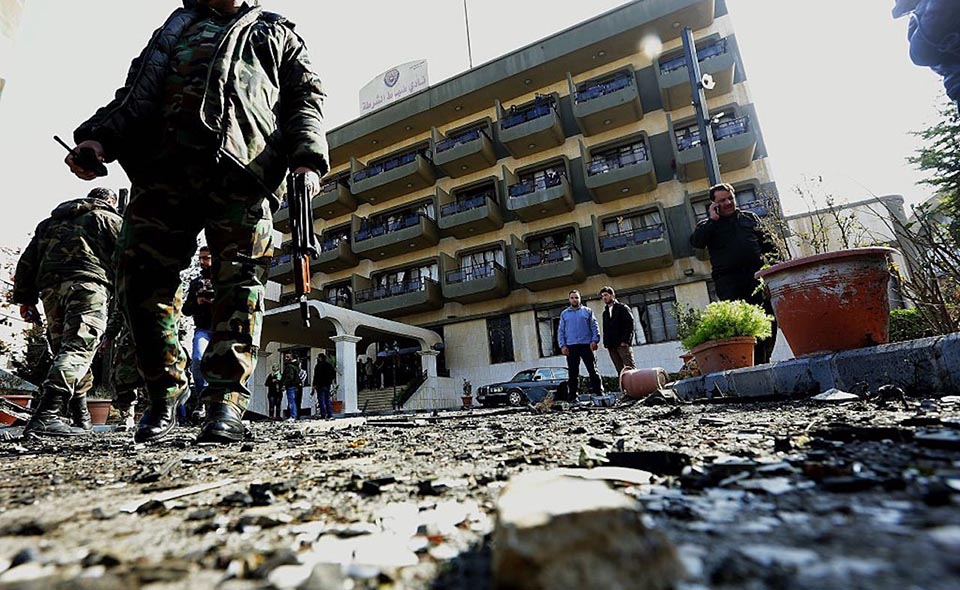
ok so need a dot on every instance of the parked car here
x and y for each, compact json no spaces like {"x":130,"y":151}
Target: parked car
{"x":529,"y":386}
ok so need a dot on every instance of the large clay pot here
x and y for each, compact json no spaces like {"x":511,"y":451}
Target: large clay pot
{"x":20,"y":400}
{"x":99,"y":410}
{"x":725,"y":354}
{"x":639,"y":383}
{"x":337,"y":406}
{"x":832,"y":302}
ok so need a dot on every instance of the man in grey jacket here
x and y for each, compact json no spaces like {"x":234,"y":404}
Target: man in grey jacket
{"x":579,"y":338}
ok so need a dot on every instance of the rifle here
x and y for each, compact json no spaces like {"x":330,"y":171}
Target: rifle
{"x":86,"y":158}
{"x":304,"y":242}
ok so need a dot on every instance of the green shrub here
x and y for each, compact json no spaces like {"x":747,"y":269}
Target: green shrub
{"x":727,"y":319}
{"x":907,"y":324}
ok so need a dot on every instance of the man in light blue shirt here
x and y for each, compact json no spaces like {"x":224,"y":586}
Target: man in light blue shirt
{"x":579,"y":337}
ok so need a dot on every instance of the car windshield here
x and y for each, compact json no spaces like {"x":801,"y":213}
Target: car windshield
{"x":523,"y":376}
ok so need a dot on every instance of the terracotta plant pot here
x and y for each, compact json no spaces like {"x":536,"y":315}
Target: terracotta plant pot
{"x":467,"y":401}
{"x":337,"y":406}
{"x":20,"y":400}
{"x":639,"y":383}
{"x":725,"y":354}
{"x":99,"y":410}
{"x":832,"y":302}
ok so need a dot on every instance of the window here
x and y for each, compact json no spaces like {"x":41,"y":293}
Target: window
{"x":548,"y":323}
{"x":619,"y":225}
{"x":653,"y":313}
{"x":482,"y":260}
{"x":500,"y":339}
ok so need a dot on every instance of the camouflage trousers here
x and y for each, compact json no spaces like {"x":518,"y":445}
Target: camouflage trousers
{"x":125,"y":379}
{"x":158,"y":240}
{"x":76,"y":313}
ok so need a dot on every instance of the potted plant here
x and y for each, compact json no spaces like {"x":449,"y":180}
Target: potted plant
{"x":335,"y":402}
{"x":722,"y":337}
{"x":467,"y":395}
{"x":832,"y":301}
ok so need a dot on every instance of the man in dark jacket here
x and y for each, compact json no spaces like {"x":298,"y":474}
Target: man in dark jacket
{"x":618,"y":329}
{"x":323,"y":377}
{"x":291,"y":383}
{"x":215,"y":111}
{"x":68,"y":265}
{"x":738,"y":246}
{"x":199,"y":305}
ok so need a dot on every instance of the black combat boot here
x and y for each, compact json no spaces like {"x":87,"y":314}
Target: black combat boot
{"x":80,"y":413}
{"x":46,"y":419}
{"x":160,"y":418}
{"x":222,"y":424}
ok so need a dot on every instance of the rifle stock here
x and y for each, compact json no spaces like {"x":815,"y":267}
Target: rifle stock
{"x":304,"y":242}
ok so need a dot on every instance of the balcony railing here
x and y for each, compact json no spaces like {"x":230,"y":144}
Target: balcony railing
{"x":461,"y":138}
{"x":532,"y":186}
{"x":329,"y":187}
{"x":384,"y":166}
{"x":379,"y":229}
{"x":601,"y":163}
{"x":472,"y":273}
{"x":722,"y":130}
{"x":596,"y":90}
{"x":713,"y":50}
{"x":534,"y":258}
{"x":392,"y":290}
{"x":282,"y":259}
{"x":520,"y":116}
{"x":759,"y":207}
{"x":468,"y":204}
{"x":332,"y":243}
{"x":634,"y":237}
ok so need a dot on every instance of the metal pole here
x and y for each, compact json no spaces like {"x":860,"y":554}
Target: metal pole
{"x":466,"y":20}
{"x":700,"y":105}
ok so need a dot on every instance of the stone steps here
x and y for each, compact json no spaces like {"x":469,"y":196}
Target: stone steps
{"x":376,"y":400}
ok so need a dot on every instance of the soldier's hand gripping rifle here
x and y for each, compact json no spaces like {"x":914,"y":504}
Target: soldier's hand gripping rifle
{"x":304,"y":242}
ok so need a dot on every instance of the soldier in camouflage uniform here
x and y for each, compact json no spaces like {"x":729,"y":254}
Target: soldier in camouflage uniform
{"x":68,"y":264}
{"x":216,"y":110}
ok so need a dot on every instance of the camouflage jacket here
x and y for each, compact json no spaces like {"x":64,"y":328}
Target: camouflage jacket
{"x":76,"y":243}
{"x":262,"y":99}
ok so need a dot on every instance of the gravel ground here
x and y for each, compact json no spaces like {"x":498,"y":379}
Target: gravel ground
{"x":798,"y":495}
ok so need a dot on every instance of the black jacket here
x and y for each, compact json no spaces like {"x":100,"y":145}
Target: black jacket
{"x":618,"y":326}
{"x":324,"y":374}
{"x":737,"y":244}
{"x":202,"y":312}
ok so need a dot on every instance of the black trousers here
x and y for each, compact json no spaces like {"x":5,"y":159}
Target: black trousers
{"x":743,"y":287}
{"x":575,"y":354}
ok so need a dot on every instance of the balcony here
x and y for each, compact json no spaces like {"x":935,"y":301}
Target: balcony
{"x":480,"y":282}
{"x":715,"y":59}
{"x":736,"y":142}
{"x":465,"y":153}
{"x":281,"y":219}
{"x":471,"y":216}
{"x":617,"y":175}
{"x":607,"y":104}
{"x":334,"y":200}
{"x":531,"y":129}
{"x":397,"y":299}
{"x":392,"y":178}
{"x":281,"y":269}
{"x":546,"y":269}
{"x":408,"y":233}
{"x":532,"y":200}
{"x":634,"y":250}
{"x":335,"y":255}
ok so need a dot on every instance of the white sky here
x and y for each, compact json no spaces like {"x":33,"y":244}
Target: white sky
{"x":835,"y":91}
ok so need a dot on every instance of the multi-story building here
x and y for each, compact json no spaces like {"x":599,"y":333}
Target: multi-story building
{"x":473,"y":207}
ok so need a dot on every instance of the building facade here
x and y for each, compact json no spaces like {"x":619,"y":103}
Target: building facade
{"x":472,"y":208}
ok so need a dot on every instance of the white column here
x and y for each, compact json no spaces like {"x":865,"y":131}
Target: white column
{"x":428,"y":361}
{"x":347,"y":370}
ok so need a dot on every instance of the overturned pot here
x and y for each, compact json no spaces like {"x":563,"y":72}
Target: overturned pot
{"x":639,"y":383}
{"x":20,"y":400}
{"x":832,"y":302}
{"x":724,"y":354}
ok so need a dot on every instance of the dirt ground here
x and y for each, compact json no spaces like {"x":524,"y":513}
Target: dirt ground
{"x":800,"y":495}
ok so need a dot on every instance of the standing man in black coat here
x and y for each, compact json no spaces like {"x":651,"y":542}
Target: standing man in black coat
{"x":618,"y":329}
{"x":738,"y":245}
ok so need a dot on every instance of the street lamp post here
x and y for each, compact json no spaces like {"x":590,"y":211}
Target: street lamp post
{"x":697,"y":87}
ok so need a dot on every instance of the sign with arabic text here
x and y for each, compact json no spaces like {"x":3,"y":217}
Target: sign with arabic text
{"x":394,"y":84}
